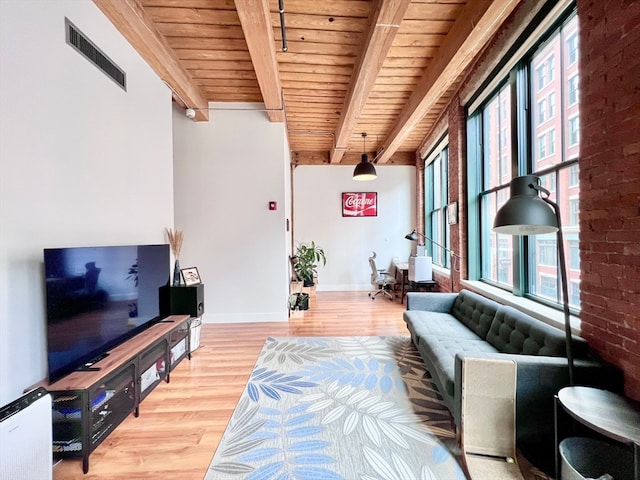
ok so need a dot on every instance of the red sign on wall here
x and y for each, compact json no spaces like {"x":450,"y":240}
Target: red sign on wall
{"x":359,"y":204}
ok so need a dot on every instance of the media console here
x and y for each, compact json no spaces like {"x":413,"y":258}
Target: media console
{"x":89,"y":404}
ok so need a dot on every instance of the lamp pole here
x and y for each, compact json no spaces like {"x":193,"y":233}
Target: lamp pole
{"x":563,"y":281}
{"x":413,"y":236}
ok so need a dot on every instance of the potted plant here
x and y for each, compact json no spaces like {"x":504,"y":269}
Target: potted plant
{"x":306,"y":260}
{"x":299,"y":301}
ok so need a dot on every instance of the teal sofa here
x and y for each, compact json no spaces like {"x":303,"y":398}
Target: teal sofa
{"x":447,"y":327}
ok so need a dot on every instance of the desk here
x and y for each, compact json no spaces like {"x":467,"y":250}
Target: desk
{"x":402,"y":277}
{"x":605,"y":412}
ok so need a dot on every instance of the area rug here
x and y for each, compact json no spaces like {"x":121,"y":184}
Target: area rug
{"x":338,"y":408}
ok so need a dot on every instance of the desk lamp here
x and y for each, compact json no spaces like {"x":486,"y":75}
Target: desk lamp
{"x":413,"y":236}
{"x":528,"y":213}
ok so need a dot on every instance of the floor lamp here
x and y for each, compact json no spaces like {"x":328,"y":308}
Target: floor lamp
{"x":528,"y":213}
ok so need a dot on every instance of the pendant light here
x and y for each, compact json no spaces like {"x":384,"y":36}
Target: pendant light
{"x":364,"y":170}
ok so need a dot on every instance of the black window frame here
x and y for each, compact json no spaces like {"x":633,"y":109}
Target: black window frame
{"x":523,"y":88}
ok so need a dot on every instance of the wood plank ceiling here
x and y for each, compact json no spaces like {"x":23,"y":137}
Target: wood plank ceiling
{"x":384,"y":67}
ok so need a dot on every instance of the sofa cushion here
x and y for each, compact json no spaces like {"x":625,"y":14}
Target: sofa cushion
{"x":425,"y":324}
{"x":441,"y":351}
{"x":431,"y":301}
{"x":475,"y":311}
{"x":515,"y":332}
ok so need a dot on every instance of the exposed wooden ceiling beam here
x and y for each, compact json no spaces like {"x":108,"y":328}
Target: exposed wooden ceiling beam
{"x":133,"y":23}
{"x":256,"y":25}
{"x":350,"y":158}
{"x":385,"y":22}
{"x":474,"y":28}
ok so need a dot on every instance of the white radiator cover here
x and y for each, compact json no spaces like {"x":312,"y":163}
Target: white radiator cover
{"x":26,"y":438}
{"x":420,"y":269}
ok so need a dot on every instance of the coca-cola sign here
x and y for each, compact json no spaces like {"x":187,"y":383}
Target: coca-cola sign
{"x":359,"y":204}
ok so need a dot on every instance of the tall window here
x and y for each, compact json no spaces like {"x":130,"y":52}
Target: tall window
{"x":573,"y":90}
{"x":574,"y":173}
{"x":542,"y":111}
{"x":548,"y":252}
{"x":574,"y":131}
{"x":573,"y":212}
{"x":542,"y":146}
{"x":545,"y":71}
{"x":495,"y":118}
{"x":436,"y":198}
{"x":542,"y":79}
{"x":572,"y":48}
{"x":574,"y":255}
{"x":540,"y":75}
{"x":551,"y":66}
{"x":548,"y":287}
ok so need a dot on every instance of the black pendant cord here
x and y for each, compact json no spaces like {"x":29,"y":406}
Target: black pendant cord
{"x":282,"y":27}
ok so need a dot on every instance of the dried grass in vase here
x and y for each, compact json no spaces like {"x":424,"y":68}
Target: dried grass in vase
{"x":175,"y":241}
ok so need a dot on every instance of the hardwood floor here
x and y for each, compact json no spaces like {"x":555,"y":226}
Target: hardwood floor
{"x":181,"y":422}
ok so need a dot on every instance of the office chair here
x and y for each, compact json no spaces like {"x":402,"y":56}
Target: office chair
{"x":381,"y":280}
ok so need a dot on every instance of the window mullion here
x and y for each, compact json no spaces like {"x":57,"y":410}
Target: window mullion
{"x":474,"y":187}
{"x":444,"y":176}
{"x":429,"y":207}
{"x":519,"y":149}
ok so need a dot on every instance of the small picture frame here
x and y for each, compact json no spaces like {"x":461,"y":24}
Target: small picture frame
{"x":190,"y":276}
{"x":452,"y":213}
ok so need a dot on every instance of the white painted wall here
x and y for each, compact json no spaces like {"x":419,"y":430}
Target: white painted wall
{"x":225,"y":173}
{"x":348,"y":242}
{"x":81,"y":162}
{"x":84,"y":163}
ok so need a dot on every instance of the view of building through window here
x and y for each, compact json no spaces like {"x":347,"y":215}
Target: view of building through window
{"x":551,"y":154}
{"x":496,"y":154}
{"x":436,"y":198}
{"x":560,"y":55}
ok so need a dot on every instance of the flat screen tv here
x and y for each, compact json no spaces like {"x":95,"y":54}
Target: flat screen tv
{"x":98,"y":297}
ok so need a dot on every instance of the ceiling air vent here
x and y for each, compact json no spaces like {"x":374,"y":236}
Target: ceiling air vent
{"x":82,"y":44}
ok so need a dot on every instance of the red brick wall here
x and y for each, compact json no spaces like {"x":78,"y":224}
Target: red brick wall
{"x":610,"y":182}
{"x":457,"y":185}
{"x":456,"y":120}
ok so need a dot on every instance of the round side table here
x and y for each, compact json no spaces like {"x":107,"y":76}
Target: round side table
{"x":607,"y":413}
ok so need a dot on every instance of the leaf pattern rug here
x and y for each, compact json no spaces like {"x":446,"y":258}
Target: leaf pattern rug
{"x":338,"y":408}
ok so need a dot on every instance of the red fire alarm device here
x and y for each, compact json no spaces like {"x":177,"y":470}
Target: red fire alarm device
{"x":273,"y":206}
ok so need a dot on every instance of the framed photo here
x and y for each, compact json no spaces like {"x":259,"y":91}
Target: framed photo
{"x":190,"y":276}
{"x":359,"y":204}
{"x":452,"y":213}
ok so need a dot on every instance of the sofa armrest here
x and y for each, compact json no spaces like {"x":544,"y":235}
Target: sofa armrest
{"x":538,"y":380}
{"x":431,"y":301}
{"x":540,"y":377}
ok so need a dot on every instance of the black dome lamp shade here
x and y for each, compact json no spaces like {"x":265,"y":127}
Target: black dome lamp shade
{"x":525,"y":213}
{"x":364,"y":170}
{"x":413,"y":236}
